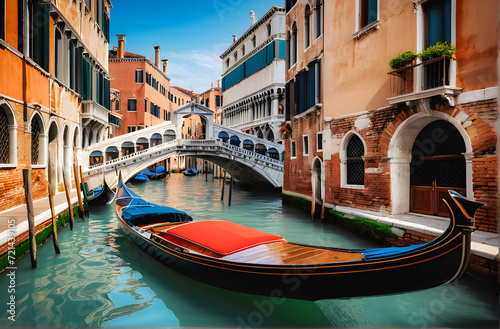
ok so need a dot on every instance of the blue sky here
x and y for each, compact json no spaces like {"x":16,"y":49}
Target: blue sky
{"x":192,"y":34}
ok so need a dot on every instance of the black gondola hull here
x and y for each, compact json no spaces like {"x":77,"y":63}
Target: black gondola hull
{"x":323,"y":281}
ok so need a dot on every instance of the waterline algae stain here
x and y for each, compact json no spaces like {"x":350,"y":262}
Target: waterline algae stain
{"x":102,"y":279}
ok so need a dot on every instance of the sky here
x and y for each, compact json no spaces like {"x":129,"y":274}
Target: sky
{"x":192,"y":34}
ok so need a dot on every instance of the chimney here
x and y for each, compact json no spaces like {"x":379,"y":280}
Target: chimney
{"x":252,"y":17}
{"x":234,"y":38}
{"x":121,"y":45}
{"x":218,"y":85}
{"x":212,"y":86}
{"x":165,"y":65}
{"x":157,"y":56}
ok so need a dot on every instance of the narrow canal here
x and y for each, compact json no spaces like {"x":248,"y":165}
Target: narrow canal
{"x":102,"y":279}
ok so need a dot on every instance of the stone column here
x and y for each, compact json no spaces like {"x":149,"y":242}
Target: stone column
{"x":274,"y":105}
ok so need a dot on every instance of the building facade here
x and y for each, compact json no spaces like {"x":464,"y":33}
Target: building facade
{"x":364,"y":135}
{"x":53,"y":59}
{"x":213,"y":99}
{"x":253,"y":71}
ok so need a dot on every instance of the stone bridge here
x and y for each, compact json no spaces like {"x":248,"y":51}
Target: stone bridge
{"x":245,"y":157}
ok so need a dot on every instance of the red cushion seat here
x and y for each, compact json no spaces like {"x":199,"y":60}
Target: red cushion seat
{"x":221,"y":236}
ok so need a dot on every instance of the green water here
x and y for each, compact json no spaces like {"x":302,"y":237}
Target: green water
{"x":102,"y":279}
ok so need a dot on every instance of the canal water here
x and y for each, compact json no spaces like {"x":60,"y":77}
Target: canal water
{"x":102,"y":279}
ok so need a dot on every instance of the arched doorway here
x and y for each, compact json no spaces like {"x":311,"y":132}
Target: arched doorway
{"x":248,"y":145}
{"x":261,"y":149}
{"x":273,"y":153}
{"x":316,"y":180}
{"x":437,"y":166}
{"x":95,"y":158}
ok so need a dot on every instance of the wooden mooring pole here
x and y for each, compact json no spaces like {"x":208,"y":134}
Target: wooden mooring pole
{"x":31,"y":216}
{"x":313,"y":205}
{"x":78,"y":191}
{"x":230,"y":191}
{"x":206,"y":171}
{"x":223,"y":186}
{"x":54,"y":221}
{"x":68,"y":199}
{"x":84,"y":188}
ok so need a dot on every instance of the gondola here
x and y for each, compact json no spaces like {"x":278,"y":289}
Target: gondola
{"x":101,"y":196}
{"x":239,"y":258}
{"x":159,"y":173}
{"x":190,"y":172}
{"x":140,"y":178}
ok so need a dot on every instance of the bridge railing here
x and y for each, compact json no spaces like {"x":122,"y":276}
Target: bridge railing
{"x":250,"y":153}
{"x":136,"y":154}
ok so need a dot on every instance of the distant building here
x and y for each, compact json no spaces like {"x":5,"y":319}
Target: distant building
{"x":253,"y":77}
{"x":144,"y":88}
{"x":213,"y":99}
{"x":53,"y":63}
{"x":363,"y":135}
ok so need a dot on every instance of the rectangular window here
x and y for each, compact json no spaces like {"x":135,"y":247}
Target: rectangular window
{"x":217,"y":100}
{"x":254,"y":41}
{"x":293,"y":151}
{"x":131,"y":129}
{"x":305,"y":142}
{"x":132,"y":105}
{"x":2,"y":19}
{"x":319,"y":141}
{"x":368,"y":12}
{"x":243,"y":51}
{"x":269,"y":30}
{"x":139,"y":76}
{"x":437,"y":22}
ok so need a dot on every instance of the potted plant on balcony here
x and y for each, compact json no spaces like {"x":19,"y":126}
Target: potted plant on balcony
{"x":440,"y":49}
{"x":436,"y":72}
{"x":402,"y":59}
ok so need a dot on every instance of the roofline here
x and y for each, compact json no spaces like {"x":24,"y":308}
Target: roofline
{"x":252,"y":28}
{"x":139,"y":59}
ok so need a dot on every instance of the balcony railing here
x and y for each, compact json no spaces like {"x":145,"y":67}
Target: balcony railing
{"x":431,"y":74}
{"x":93,"y":111}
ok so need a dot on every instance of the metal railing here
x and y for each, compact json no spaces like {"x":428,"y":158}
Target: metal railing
{"x":433,"y":73}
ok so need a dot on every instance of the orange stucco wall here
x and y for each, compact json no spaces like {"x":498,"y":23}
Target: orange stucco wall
{"x":477,"y":44}
{"x":356,"y":78}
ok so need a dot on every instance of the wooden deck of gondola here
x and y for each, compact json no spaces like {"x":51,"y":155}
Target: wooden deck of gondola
{"x":276,"y":253}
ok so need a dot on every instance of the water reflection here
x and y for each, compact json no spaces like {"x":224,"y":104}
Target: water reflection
{"x":103,"y":279}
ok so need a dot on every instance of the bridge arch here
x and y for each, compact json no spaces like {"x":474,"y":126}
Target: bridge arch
{"x":169,"y":135}
{"x":112,"y":153}
{"x":142,"y":143}
{"x":206,"y":115}
{"x":127,"y":148}
{"x":235,"y":140}
{"x":248,"y":145}
{"x":156,"y":139}
{"x":224,"y":136}
{"x":260,"y":148}
{"x":273,"y":153}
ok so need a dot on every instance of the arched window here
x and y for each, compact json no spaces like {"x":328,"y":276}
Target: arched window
{"x":36,"y":129}
{"x":117,"y":105}
{"x":293,"y":45}
{"x":317,"y":19}
{"x":355,"y":152}
{"x":4,"y":137}
{"x":307,"y":18}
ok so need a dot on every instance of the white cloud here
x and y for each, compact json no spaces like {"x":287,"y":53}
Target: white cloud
{"x":196,"y":69}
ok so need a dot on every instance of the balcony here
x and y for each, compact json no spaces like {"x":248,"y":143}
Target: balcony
{"x":435,"y":77}
{"x":92,"y":111}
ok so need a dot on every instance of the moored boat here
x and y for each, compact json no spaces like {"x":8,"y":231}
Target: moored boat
{"x":101,"y":196}
{"x":159,"y":173}
{"x":141,"y":178}
{"x":190,"y":172}
{"x":239,"y":258}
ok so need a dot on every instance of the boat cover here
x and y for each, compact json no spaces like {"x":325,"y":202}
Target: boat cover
{"x":97,"y":190}
{"x":160,"y":170}
{"x":141,"y":177}
{"x":148,"y":173}
{"x":391,"y":251}
{"x":221,"y":236}
{"x":139,"y":208}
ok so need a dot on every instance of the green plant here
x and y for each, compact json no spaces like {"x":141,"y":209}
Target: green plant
{"x":440,"y":49}
{"x":407,"y":56}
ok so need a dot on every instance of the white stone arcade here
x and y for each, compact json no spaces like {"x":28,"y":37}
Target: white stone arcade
{"x":247,"y":158}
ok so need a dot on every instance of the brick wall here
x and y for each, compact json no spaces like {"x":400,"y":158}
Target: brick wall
{"x":478,"y":120}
